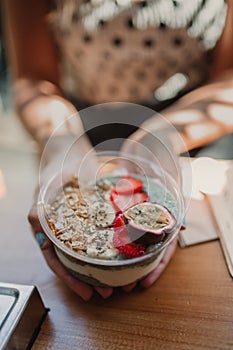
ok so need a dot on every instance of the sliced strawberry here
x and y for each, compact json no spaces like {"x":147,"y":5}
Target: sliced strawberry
{"x":132,"y":250}
{"x":124,"y":202}
{"x":128,"y":185}
{"x":120,"y":237}
{"x":119,"y":221}
{"x":121,"y":240}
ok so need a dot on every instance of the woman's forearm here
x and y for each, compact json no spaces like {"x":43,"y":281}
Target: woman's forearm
{"x":44,"y":111}
{"x":201,"y":116}
{"x":51,"y":120}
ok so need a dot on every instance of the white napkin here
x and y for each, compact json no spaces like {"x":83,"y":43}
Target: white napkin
{"x":209,"y":212}
{"x":200,"y":226}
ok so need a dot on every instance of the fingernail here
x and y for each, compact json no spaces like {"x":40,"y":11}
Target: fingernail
{"x":104,"y":292}
{"x":129,"y":287}
{"x":40,"y":237}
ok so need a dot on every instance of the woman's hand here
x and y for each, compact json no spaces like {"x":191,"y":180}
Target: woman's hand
{"x":82,"y":289}
{"x":55,"y":156}
{"x":149,"y":280}
{"x":65,"y":154}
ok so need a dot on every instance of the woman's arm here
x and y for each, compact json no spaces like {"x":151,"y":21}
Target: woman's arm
{"x":205,"y":114}
{"x":33,"y":62}
{"x":199,"y":118}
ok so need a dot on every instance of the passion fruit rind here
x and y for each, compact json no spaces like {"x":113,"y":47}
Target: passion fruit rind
{"x":149,"y":221}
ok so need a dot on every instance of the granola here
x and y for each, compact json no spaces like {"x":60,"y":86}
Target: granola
{"x":91,"y":221}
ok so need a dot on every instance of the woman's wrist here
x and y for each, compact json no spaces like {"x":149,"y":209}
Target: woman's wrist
{"x":204,"y":115}
{"x":44,"y":111}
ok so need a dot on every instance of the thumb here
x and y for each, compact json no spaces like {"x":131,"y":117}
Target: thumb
{"x":33,"y":216}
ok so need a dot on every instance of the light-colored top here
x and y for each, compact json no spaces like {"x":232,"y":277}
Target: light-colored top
{"x":136,"y":51}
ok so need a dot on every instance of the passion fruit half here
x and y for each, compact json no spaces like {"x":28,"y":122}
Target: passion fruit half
{"x":148,"y":222}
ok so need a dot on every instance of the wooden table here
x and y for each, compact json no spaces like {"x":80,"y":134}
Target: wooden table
{"x":189,"y":307}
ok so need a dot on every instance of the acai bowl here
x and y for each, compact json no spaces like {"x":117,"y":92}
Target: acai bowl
{"x":112,"y":229}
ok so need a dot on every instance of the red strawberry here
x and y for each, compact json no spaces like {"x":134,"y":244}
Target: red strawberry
{"x":128,"y":185}
{"x":121,"y":240}
{"x":119,"y":221}
{"x":123,"y":202}
{"x":132,"y":250}
{"x":120,"y":231}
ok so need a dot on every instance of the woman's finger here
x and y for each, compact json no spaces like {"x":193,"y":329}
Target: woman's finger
{"x":34,"y":220}
{"x":80,"y":288}
{"x":105,"y":292}
{"x":129,"y":287}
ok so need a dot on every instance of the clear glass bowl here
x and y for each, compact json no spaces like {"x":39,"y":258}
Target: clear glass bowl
{"x":121,"y":272}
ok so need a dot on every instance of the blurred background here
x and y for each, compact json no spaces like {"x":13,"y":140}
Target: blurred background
{"x":12,"y":134}
{"x":4,"y":101}
{"x":18,"y":176}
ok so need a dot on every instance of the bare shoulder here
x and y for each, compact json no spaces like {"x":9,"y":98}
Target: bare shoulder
{"x":25,"y":9}
{"x":31,"y":48}
{"x":223,"y":59}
